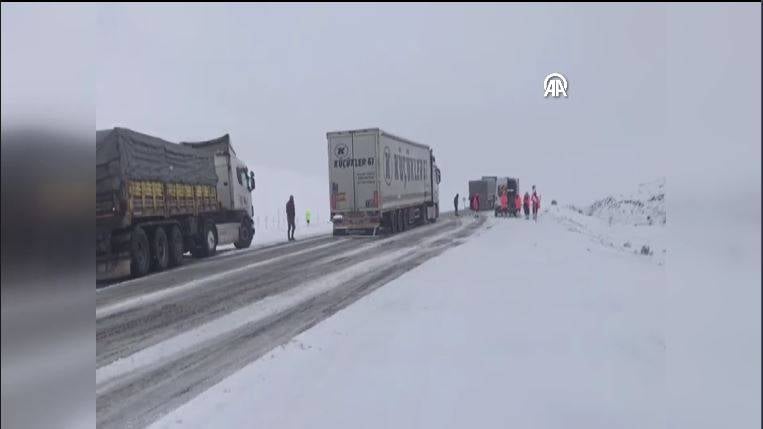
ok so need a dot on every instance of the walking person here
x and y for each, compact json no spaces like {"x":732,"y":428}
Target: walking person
{"x":455,"y":204}
{"x":535,"y":199}
{"x":526,"y":205}
{"x":290,"y":218}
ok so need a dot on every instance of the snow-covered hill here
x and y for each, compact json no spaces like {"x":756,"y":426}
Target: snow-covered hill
{"x":632,"y":223}
{"x":644,"y":207}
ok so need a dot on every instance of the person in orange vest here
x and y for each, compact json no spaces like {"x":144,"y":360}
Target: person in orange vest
{"x":535,"y":199}
{"x":504,"y":204}
{"x":526,"y":205}
{"x":517,"y":205}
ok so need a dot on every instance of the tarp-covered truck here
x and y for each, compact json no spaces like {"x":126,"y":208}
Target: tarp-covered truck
{"x":380,"y":181}
{"x":156,"y":200}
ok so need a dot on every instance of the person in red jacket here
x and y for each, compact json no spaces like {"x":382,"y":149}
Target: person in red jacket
{"x":526,"y":205}
{"x":535,"y":200}
{"x":517,"y":205}
{"x":504,"y":204}
{"x":477,"y":202}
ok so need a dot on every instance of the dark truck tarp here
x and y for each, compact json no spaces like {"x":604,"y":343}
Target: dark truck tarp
{"x":125,"y":154}
{"x":218,"y":145}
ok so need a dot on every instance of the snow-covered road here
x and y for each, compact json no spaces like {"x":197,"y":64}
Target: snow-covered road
{"x":163,"y":339}
{"x":543,"y":325}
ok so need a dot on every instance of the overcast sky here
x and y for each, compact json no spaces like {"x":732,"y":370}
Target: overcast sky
{"x":464,"y":79}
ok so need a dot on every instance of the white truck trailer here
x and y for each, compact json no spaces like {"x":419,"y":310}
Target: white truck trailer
{"x":378,"y":181}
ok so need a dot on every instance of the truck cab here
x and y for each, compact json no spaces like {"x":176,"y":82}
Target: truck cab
{"x":235,"y":181}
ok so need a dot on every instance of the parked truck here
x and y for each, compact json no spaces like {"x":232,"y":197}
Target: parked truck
{"x":481,"y":187}
{"x":492,"y":188}
{"x":380,"y":182}
{"x":156,"y":200}
{"x":510,"y":186}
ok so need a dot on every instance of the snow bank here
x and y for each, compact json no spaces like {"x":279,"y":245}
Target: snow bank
{"x":646,"y":206}
{"x":649,"y":241}
{"x":274,"y":185}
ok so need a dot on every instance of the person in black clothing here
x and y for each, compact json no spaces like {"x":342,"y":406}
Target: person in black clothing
{"x":290,"y":217}
{"x":455,"y":203}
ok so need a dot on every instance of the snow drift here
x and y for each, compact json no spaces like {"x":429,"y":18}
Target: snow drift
{"x":646,"y":206}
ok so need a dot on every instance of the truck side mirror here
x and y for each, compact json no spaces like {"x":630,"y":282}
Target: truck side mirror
{"x":251,"y":180}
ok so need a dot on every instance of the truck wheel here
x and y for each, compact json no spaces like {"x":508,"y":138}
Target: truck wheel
{"x":139,"y":253}
{"x":210,"y":239}
{"x":176,"y":249}
{"x":206,"y":244}
{"x":159,"y":250}
{"x":245,"y":235}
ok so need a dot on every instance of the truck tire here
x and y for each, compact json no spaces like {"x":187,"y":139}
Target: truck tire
{"x":140,"y":256}
{"x":159,"y":250}
{"x":245,"y":235}
{"x":176,"y":249}
{"x":206,"y":244}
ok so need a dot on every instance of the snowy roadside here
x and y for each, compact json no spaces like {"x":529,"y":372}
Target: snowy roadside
{"x":541,"y":329}
{"x":650,"y":241}
{"x":266,"y":237}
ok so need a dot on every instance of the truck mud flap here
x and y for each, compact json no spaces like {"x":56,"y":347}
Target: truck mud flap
{"x":112,"y":268}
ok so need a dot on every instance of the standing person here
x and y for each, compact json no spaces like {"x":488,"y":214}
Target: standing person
{"x":536,"y":203}
{"x":517,"y":204}
{"x":307,"y":217}
{"x":477,"y":202}
{"x":455,"y":204}
{"x":526,"y":205}
{"x":505,"y":204}
{"x":290,"y":218}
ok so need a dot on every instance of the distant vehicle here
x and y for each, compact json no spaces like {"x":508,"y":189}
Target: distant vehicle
{"x":492,"y":195}
{"x":479,"y":187}
{"x":509,"y":185}
{"x":378,"y":181}
{"x":156,"y":200}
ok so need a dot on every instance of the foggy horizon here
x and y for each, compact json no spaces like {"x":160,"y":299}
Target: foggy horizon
{"x":466,"y":80}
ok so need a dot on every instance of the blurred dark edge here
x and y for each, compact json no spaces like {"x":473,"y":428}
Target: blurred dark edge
{"x":48,"y":280}
{"x":48,"y":341}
